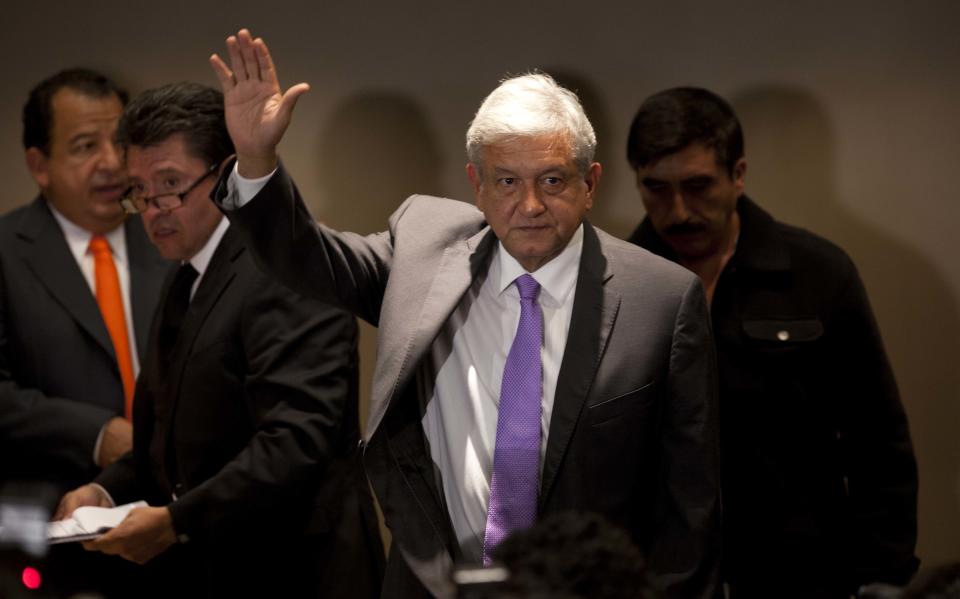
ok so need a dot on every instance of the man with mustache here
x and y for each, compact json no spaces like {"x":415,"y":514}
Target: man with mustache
{"x":819,"y":478}
{"x":78,"y":287}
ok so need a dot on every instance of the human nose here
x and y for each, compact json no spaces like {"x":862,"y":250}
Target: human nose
{"x":530,"y":202}
{"x":111,"y":157}
{"x":678,"y":205}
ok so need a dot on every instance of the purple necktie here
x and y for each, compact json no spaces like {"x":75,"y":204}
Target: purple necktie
{"x":516,"y":455}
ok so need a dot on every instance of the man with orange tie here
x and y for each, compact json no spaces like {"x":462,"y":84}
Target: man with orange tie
{"x":78,"y":288}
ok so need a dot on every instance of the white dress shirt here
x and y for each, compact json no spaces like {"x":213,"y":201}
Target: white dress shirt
{"x":78,"y":240}
{"x":201,"y":260}
{"x":466,"y":367}
{"x":468,"y":356}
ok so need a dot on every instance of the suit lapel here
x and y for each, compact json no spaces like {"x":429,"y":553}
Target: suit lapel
{"x":146,"y":280}
{"x":459,"y":266}
{"x":215,"y":281}
{"x":397,"y":447}
{"x":594,"y":312}
{"x":49,"y":257}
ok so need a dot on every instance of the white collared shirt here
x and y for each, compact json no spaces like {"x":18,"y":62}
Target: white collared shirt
{"x":78,"y":240}
{"x":468,"y":358}
{"x":201,"y":260}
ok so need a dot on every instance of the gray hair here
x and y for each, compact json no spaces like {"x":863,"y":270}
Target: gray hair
{"x":532,"y":105}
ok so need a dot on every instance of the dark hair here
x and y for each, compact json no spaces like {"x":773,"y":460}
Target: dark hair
{"x":575,"y":555}
{"x":38,"y":111}
{"x":671,"y":120}
{"x":191,"y":109}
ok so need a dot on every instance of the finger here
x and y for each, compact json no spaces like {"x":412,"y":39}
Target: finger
{"x":236,"y":59}
{"x":289,"y":99}
{"x":141,"y":555}
{"x":245,"y":42}
{"x":61,"y":512}
{"x":107,"y":543}
{"x":223,"y":72}
{"x":264,"y":62}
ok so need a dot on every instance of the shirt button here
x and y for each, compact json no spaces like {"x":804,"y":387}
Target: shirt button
{"x":783,"y":335}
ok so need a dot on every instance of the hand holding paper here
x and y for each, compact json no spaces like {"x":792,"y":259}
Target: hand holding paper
{"x":145,"y":533}
{"x":89,"y":522}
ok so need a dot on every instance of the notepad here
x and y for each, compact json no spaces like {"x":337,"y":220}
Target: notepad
{"x":88,"y":522}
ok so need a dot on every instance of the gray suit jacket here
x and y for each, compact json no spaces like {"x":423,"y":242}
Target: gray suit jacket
{"x":59,"y":381}
{"x":633,"y":433}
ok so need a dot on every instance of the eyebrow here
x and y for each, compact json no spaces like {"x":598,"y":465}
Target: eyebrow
{"x":82,"y":136}
{"x":558,"y":169}
{"x":164,"y":172}
{"x":694,"y":179}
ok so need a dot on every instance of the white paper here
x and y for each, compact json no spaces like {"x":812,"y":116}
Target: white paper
{"x":89,"y":522}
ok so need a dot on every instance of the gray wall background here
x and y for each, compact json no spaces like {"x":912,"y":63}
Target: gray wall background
{"x":850,"y":111}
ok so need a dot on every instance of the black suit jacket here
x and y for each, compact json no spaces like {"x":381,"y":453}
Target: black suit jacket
{"x":59,"y":381}
{"x":252,"y":425}
{"x":633,"y":430}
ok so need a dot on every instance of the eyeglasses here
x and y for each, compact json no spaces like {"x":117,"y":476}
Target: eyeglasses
{"x":134,"y":202}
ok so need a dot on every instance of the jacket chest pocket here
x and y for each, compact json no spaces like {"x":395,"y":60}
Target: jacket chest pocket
{"x":619,"y":453}
{"x":778,"y":335}
{"x":783,"y":331}
{"x":775,"y":377}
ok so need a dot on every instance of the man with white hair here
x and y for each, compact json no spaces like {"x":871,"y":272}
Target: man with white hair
{"x":528,"y":363}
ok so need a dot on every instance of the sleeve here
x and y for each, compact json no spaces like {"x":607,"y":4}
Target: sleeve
{"x":125,"y":479}
{"x":685,"y":555}
{"x":301,"y":370}
{"x":57,"y":431}
{"x":879,"y":463}
{"x":345,"y":269}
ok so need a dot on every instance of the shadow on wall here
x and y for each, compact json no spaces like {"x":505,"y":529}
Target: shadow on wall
{"x":610,"y":154}
{"x":375,"y":150}
{"x":790,"y":153}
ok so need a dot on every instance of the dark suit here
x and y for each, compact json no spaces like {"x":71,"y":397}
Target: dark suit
{"x":819,"y":477}
{"x":252,"y":424}
{"x":632,"y":433}
{"x":59,"y":380}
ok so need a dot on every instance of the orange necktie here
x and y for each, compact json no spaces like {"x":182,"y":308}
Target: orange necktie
{"x":110,"y":300}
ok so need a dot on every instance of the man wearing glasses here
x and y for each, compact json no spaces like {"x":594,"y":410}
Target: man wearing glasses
{"x":245,"y":417}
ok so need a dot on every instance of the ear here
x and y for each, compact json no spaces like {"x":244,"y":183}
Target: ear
{"x":475,"y":181}
{"x":37,"y":164}
{"x":740,"y":175}
{"x":592,"y":179}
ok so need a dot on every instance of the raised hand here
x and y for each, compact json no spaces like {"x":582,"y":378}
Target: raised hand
{"x":257,"y":112}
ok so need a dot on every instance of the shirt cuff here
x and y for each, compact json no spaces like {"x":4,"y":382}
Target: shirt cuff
{"x":96,"y":446}
{"x":105,"y":493}
{"x":241,"y":190}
